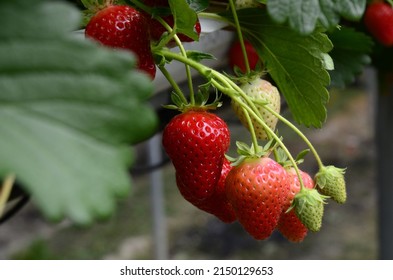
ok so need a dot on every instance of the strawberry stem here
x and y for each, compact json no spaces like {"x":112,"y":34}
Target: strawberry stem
{"x":5,"y":191}
{"x":298,"y":132}
{"x":162,"y":43}
{"x":173,"y":83}
{"x":252,"y":131}
{"x":240,"y":35}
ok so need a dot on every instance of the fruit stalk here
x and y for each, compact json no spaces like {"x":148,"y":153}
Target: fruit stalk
{"x":240,"y":35}
{"x":5,"y":191}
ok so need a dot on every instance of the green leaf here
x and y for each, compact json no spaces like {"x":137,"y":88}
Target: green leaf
{"x":304,"y":16}
{"x":198,"y":5}
{"x":69,"y":110}
{"x":295,"y":62}
{"x":350,"y":54}
{"x":184,"y":17}
{"x":198,"y":56}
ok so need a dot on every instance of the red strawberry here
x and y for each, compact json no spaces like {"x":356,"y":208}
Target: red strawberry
{"x":289,"y":224}
{"x":236,"y":57}
{"x":258,"y":189}
{"x":121,"y":26}
{"x":378,"y":19}
{"x":218,"y":203}
{"x":196,"y":141}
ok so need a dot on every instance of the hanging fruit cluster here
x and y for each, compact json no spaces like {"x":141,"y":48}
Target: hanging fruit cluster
{"x":262,"y":188}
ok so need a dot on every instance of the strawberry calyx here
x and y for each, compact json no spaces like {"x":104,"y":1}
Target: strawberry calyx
{"x":246,"y":152}
{"x":199,"y":103}
{"x":243,"y":78}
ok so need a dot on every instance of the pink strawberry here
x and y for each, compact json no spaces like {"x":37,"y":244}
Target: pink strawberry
{"x":121,"y":26}
{"x":196,"y":142}
{"x":378,"y":19}
{"x":289,"y":224}
{"x":258,"y":189}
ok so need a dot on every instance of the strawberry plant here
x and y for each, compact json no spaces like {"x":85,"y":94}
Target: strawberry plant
{"x":72,"y":108}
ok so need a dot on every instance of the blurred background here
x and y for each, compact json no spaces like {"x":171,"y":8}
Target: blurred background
{"x":155,"y":222}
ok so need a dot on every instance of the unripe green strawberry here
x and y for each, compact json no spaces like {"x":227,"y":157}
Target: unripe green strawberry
{"x":289,"y":224}
{"x":258,"y":189}
{"x":309,"y":205}
{"x":263,"y":93}
{"x":330,"y":181}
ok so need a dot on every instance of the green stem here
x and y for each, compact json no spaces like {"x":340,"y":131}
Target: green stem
{"x":252,"y":130}
{"x":173,"y":83}
{"x":5,"y":191}
{"x":188,"y":70}
{"x":162,"y":43}
{"x":240,"y":35}
{"x":298,"y":132}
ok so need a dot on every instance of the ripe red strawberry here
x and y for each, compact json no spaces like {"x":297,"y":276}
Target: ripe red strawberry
{"x":196,"y":142}
{"x":289,"y":224}
{"x":258,"y":189}
{"x":261,"y":91}
{"x":378,"y":19}
{"x":121,"y":26}
{"x":236,"y":58}
{"x":217,"y":204}
{"x":157,"y":29}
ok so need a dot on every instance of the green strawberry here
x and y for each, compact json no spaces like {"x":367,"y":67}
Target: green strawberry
{"x":263,"y":93}
{"x":330,"y":181}
{"x":309,"y":205}
{"x":289,"y":224}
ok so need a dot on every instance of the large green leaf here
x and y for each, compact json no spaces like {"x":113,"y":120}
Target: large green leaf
{"x":69,"y":111}
{"x":303,"y":16}
{"x":295,"y":62}
{"x":350,"y":54}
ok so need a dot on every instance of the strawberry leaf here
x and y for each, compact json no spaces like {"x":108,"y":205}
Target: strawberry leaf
{"x":69,"y":110}
{"x":304,"y":16}
{"x":350,"y":54}
{"x":295,"y":62}
{"x":185,"y":18}
{"x":198,"y":5}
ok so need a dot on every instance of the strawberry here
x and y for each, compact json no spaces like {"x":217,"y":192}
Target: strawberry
{"x":258,"y":189}
{"x":309,"y":207}
{"x":196,"y":142}
{"x":289,"y":224}
{"x":236,"y":58}
{"x":121,"y":26}
{"x":378,"y":19}
{"x":217,"y":204}
{"x":263,"y":94}
{"x":330,"y":181}
{"x":157,"y":29}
